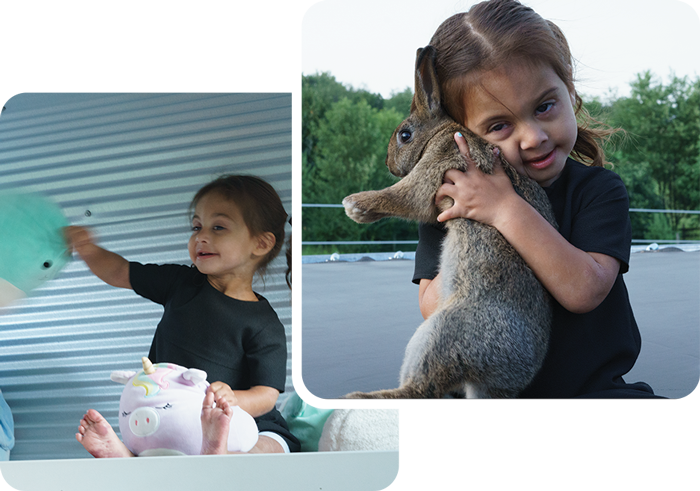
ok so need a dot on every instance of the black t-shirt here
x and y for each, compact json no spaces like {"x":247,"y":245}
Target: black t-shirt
{"x":588,"y":353}
{"x":237,"y":342}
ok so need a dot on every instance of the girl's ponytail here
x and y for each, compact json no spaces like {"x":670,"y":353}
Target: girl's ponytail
{"x":592,"y":134}
{"x":293,"y":275}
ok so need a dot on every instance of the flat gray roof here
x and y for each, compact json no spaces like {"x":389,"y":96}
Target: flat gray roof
{"x":357,"y":318}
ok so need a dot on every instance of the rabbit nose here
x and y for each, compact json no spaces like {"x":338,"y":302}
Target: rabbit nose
{"x":144,"y":421}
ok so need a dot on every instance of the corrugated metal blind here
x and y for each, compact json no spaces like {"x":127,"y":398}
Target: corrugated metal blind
{"x":126,"y":165}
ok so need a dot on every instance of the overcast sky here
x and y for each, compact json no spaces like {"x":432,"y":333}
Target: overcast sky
{"x":371,"y":44}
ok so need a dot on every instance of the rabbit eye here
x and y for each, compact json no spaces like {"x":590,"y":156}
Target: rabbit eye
{"x":405,"y":136}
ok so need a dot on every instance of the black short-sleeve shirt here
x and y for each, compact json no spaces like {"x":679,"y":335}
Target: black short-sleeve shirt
{"x":588,"y":353}
{"x":237,"y":342}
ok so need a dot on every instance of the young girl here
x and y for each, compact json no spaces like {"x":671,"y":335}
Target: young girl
{"x":213,"y":320}
{"x":505,"y":73}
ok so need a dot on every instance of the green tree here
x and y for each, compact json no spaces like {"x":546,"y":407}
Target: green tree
{"x":400,"y":102}
{"x":659,"y":161}
{"x":346,"y":133}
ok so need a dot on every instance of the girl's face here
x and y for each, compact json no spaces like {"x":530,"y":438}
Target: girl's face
{"x":221,"y":243}
{"x":527,"y":111}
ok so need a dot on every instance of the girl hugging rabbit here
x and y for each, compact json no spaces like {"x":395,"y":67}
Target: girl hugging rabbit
{"x":505,"y":73}
{"x":213,"y":320}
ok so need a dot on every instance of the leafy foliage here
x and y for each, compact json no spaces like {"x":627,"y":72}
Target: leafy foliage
{"x":660,"y":159}
{"x":345,"y":132}
{"x":345,"y":140}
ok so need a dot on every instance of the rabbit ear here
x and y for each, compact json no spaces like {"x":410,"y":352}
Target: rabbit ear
{"x":427,"y":90}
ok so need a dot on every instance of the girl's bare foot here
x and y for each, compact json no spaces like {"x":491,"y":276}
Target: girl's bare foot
{"x":98,"y":437}
{"x":215,"y":425}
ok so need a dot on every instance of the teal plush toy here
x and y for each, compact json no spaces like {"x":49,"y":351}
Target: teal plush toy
{"x":32,"y":251}
{"x":32,"y":247}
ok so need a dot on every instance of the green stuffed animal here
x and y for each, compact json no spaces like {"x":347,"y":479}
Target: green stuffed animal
{"x":32,"y":247}
{"x":32,"y":251}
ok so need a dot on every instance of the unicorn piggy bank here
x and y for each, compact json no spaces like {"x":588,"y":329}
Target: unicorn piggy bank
{"x":160,"y":408}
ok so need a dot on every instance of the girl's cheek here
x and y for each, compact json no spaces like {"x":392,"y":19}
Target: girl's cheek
{"x":191,"y":245}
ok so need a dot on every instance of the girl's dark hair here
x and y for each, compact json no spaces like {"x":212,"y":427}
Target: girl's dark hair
{"x":492,"y":34}
{"x":259,"y":204}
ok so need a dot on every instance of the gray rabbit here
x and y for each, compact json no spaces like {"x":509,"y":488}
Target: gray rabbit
{"x":489,"y":335}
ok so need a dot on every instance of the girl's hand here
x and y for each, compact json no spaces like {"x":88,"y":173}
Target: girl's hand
{"x":476,"y":195}
{"x":78,"y":239}
{"x":223,"y":391}
{"x":256,"y":401}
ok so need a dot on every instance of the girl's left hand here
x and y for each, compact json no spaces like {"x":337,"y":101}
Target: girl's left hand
{"x":222,"y":390}
{"x":476,"y":195}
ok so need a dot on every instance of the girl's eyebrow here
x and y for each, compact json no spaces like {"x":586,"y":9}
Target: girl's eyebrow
{"x":547,"y":93}
{"x":215,"y":215}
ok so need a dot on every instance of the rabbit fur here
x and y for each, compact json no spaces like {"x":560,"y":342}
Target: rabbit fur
{"x":489,"y":334}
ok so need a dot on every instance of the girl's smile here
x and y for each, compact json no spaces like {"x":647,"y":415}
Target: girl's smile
{"x":543,"y":162}
{"x":528,"y":112}
{"x":221,"y":245}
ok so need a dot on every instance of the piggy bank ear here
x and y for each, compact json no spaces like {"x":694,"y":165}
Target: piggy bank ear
{"x":194,"y":375}
{"x":121,"y":376}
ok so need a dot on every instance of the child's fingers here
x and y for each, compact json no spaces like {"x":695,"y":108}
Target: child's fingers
{"x":452,"y":212}
{"x":68,"y":234}
{"x":76,"y":236}
{"x":443,"y":192}
{"x":452,"y":177}
{"x":448,"y":190}
{"x":462,"y":144}
{"x":448,"y":187}
{"x":219,"y":388}
{"x":445,"y":215}
{"x":223,"y":391}
{"x":464,"y":150}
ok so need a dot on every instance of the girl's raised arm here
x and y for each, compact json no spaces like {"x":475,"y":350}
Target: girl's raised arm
{"x":108,"y":266}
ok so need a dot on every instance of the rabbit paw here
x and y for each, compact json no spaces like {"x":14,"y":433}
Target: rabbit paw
{"x":356,"y":395}
{"x":359,"y":206}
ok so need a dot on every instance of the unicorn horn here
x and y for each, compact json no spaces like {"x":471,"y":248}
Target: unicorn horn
{"x":147,"y":366}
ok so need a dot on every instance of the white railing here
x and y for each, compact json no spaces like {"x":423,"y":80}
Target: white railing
{"x":383,"y":242}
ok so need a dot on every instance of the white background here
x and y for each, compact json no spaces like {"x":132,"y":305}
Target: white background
{"x":158,"y":46}
{"x":372,"y":44}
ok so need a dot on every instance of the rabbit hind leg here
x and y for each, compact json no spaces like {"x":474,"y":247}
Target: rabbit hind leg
{"x":404,"y":392}
{"x":421,"y":387}
{"x":415,"y":350}
{"x":412,"y":364}
{"x":431,"y":367}
{"x":475,"y":391}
